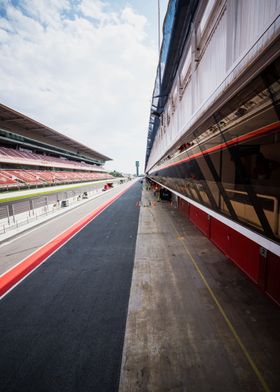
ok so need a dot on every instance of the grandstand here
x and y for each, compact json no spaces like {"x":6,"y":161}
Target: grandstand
{"x":34,"y":155}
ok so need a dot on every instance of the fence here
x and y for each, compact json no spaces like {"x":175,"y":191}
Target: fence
{"x":15,"y":214}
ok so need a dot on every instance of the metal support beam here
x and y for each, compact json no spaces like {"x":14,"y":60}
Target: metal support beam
{"x":218,"y":182}
{"x":254,"y":200}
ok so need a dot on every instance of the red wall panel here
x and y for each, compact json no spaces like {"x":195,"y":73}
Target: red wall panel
{"x":241,"y":250}
{"x":200,"y":219}
{"x":273,"y":276}
{"x":219,"y":235}
{"x":245,"y":253}
{"x":183,"y":207}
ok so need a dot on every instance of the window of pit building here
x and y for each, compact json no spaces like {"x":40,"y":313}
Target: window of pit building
{"x":161,"y":133}
{"x":210,"y":23}
{"x":247,"y":21}
{"x":185,"y":72}
{"x":205,"y":18}
{"x":174,"y":99}
{"x":168,"y":112}
{"x":164,"y":121}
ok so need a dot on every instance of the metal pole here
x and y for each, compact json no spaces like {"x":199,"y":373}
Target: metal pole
{"x":8,"y":214}
{"x":159,"y":27}
{"x":13,"y":213}
{"x":159,"y":64}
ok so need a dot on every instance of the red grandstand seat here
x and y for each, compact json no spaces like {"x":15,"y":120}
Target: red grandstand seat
{"x":24,"y":175}
{"x":6,"y":180}
{"x":46,"y":160}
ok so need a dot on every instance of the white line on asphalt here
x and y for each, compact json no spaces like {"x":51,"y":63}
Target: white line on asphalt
{"x":52,"y":218}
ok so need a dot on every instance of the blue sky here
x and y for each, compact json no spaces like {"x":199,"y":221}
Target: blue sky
{"x":85,"y":68}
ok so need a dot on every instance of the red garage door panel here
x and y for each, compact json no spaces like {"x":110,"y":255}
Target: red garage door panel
{"x":273,"y":277}
{"x":219,"y":235}
{"x":184,"y":207}
{"x":241,"y":250}
{"x":200,"y":219}
{"x":245,"y":253}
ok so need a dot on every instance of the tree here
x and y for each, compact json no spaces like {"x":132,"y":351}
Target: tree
{"x":116,"y":174}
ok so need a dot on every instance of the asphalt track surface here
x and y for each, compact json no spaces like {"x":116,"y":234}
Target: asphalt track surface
{"x":62,"y":328}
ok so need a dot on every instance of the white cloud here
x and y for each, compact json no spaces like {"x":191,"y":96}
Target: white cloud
{"x":96,"y":10}
{"x":82,"y":69}
{"x":137,"y":21}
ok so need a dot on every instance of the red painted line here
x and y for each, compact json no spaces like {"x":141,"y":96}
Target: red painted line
{"x":27,"y":265}
{"x":221,"y":146}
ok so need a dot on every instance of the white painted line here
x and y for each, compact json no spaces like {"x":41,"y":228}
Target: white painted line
{"x":64,"y":243}
{"x":52,"y":217}
{"x":53,"y":238}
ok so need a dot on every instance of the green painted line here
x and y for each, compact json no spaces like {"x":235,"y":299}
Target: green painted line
{"x":12,"y":198}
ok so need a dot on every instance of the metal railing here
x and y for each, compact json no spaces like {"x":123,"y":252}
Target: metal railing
{"x":18,"y":213}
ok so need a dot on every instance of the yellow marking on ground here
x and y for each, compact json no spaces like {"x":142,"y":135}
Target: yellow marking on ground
{"x":223,"y":313}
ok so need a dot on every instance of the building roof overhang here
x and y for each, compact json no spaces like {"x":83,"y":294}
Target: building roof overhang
{"x":14,"y":121}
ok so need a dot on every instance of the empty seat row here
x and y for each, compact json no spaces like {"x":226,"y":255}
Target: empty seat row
{"x":46,"y":160}
{"x":20,"y":178}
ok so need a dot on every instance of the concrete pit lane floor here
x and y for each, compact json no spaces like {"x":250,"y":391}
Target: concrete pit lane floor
{"x":165,"y":312}
{"x":195,"y":322}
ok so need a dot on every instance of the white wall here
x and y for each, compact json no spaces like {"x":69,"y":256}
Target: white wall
{"x":226,"y":37}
